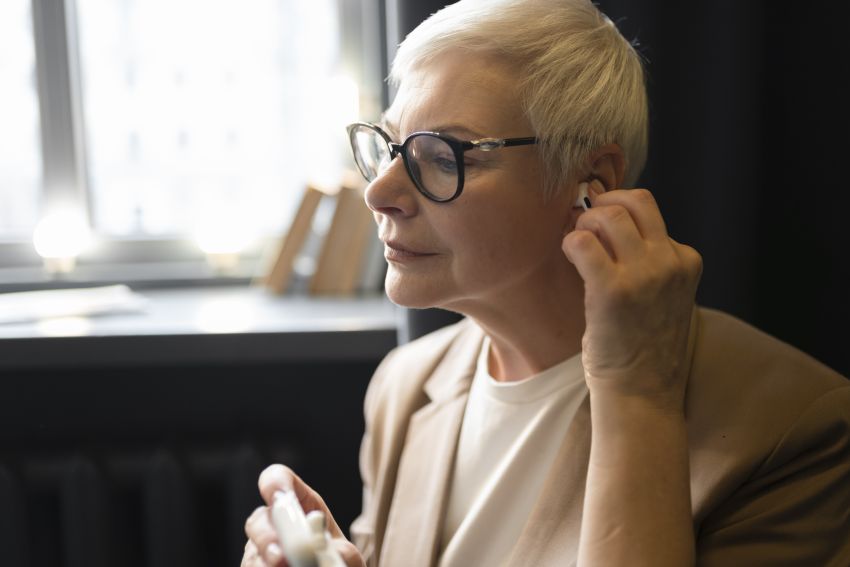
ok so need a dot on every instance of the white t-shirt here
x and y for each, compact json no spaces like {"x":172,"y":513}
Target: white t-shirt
{"x":510,"y":435}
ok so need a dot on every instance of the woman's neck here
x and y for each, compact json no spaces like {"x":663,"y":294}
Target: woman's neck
{"x":533,"y":327}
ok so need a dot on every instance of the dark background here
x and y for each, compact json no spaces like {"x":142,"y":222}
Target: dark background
{"x":157,"y":465}
{"x":749,"y":126}
{"x":749,"y":145}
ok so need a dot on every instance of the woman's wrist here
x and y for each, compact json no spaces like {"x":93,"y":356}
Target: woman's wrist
{"x":638,"y":485}
{"x":615,"y":402}
{"x":636,"y":431}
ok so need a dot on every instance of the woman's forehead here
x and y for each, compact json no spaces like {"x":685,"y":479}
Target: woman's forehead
{"x":461,"y":95}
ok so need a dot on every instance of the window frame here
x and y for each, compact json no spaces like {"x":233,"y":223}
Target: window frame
{"x":155,"y":261}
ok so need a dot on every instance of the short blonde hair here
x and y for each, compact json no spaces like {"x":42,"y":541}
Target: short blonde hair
{"x":583,"y":83}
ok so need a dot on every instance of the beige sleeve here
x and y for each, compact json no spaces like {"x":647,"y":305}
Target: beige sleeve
{"x":795,"y":510}
{"x":363,"y":527}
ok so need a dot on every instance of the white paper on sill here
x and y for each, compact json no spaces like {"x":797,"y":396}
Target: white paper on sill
{"x":29,"y":306}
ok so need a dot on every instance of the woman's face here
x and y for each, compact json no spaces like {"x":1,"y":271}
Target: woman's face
{"x":499,"y":237}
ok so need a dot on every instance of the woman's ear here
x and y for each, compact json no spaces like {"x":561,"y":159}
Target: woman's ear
{"x":608,"y":165}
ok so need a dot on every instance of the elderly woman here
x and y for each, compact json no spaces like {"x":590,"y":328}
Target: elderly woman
{"x":584,"y":411}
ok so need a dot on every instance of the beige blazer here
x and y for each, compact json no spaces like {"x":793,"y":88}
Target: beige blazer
{"x":769,"y":436}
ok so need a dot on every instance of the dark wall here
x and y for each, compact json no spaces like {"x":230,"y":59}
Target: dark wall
{"x":748,"y":151}
{"x":749,"y":126}
{"x":158,"y":466}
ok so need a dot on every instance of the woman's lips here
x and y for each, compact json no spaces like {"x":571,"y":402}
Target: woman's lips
{"x":395,"y":252}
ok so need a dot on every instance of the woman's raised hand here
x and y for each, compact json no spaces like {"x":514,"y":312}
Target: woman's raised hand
{"x":639,"y":297}
{"x":640,"y":287}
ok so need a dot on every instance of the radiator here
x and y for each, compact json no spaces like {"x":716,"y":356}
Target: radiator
{"x":157,"y":506}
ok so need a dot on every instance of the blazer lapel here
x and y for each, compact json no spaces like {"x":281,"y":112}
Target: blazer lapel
{"x":415,"y":518}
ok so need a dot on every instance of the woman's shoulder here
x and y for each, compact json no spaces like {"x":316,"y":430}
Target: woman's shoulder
{"x":405,"y":370}
{"x":748,"y":391}
{"x":769,"y":431}
{"x":429,"y":349}
{"x":727,"y":345}
{"x":747,"y":375}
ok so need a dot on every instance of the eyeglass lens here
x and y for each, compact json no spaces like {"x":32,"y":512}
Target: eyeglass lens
{"x":433,"y":165}
{"x":370,"y":152}
{"x":430,"y":161}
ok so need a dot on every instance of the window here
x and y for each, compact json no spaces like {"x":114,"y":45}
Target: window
{"x":194,"y":125}
{"x":20,"y":155}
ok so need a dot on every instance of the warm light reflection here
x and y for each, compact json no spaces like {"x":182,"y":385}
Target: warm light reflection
{"x":223,"y":231}
{"x":223,"y":235}
{"x":60,"y":237}
{"x":224,"y":316}
{"x":64,"y":327}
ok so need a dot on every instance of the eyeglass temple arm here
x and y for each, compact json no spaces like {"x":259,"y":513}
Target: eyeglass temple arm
{"x":489,"y":144}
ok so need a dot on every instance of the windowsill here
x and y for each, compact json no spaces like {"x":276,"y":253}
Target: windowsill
{"x":152,"y":263}
{"x":220,"y":325}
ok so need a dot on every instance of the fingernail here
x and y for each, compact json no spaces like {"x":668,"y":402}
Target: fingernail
{"x":596,"y":187}
{"x":273,"y":553}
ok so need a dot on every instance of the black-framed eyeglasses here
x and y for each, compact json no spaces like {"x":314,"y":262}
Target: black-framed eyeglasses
{"x":433,"y":161}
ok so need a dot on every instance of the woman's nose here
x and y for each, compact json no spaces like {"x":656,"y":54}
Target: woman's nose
{"x":393,"y":192}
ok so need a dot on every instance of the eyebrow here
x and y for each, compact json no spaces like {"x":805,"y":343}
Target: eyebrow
{"x":386,"y":125}
{"x":450,"y":129}
{"x":459,"y":129}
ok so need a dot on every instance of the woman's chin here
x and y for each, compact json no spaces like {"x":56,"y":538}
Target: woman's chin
{"x":407,"y":299}
{"x":413,"y":293}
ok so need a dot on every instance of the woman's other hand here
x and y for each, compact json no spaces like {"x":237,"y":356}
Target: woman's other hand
{"x":264,"y":549}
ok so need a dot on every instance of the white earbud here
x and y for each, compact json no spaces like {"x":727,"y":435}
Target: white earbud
{"x":583,"y":201}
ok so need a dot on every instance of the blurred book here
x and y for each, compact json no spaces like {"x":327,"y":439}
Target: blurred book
{"x":374,"y":268}
{"x":278,"y":277}
{"x":331,"y":246}
{"x":305,"y":262}
{"x":340,"y":264}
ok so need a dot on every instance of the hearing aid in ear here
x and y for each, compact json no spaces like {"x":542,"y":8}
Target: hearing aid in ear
{"x":583,"y":200}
